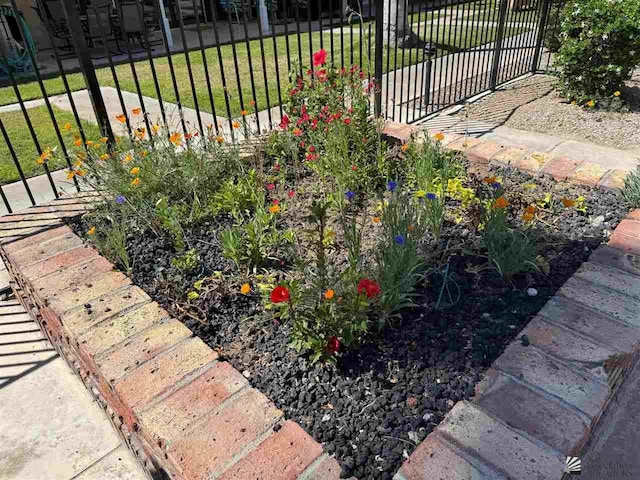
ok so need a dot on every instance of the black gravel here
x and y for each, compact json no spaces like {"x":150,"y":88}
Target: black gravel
{"x":379,"y":402}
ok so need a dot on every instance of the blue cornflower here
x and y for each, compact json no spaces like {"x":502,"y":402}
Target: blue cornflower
{"x":431,"y":196}
{"x":350,"y":195}
{"x":496,"y":185}
{"x":399,"y":239}
{"x":120,"y":199}
{"x":391,"y":185}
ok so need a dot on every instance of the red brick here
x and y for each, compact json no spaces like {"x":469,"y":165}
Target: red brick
{"x":630,"y":228}
{"x":587,"y":392}
{"x":135,"y":351}
{"x":35,"y":216}
{"x":66,"y":277}
{"x":434,"y":459}
{"x":58,"y":262}
{"x":614,"y":179}
{"x":325,"y":468}
{"x":224,"y":434}
{"x":532,"y":162}
{"x":611,"y":278}
{"x":107,"y":306}
{"x":634,"y":215}
{"x":448,"y":139}
{"x":92,"y":289}
{"x":625,"y":243}
{"x":283,"y":456}
{"x":41,"y":251}
{"x":581,"y":319}
{"x":160,"y":375}
{"x":17,"y":216}
{"x":561,"y":168}
{"x":463,"y":144}
{"x":588,"y":174}
{"x":508,"y":156}
{"x":612,"y":257}
{"x":484,"y":151}
{"x":540,"y":416}
{"x":508,"y":450}
{"x":37,"y":239}
{"x":111,"y":332}
{"x":27,"y":225}
{"x":399,"y":132}
{"x":168,"y":420}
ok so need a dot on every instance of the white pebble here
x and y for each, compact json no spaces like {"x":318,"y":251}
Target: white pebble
{"x":532,"y":292}
{"x":246,"y":374}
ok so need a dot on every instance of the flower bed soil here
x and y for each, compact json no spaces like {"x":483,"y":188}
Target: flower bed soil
{"x":378,"y":403}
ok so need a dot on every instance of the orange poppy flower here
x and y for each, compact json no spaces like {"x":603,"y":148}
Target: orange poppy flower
{"x":67,"y":126}
{"x":136,"y":111}
{"x":176,"y":139}
{"x":121,"y":118}
{"x":135,"y":181}
{"x":489,"y":180}
{"x":439,"y":136}
{"x":501,"y":202}
{"x":236,"y":124}
{"x":527,"y":217}
{"x":135,"y":171}
{"x":274,"y":208}
{"x":245,"y":289}
{"x":531,"y":209}
{"x":568,"y":203}
{"x":405,"y":147}
{"x":329,"y":294}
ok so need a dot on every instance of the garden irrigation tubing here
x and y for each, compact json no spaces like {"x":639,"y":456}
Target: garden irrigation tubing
{"x":18,"y":61}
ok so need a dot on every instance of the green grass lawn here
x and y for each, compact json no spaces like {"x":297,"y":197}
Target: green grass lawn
{"x":23,"y":144}
{"x":458,"y":39}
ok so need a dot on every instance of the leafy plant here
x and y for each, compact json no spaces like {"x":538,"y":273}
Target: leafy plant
{"x":631,"y":190}
{"x":112,"y":240}
{"x":187,"y":262}
{"x":600,"y":48}
{"x":169,"y":220}
{"x":239,"y":197}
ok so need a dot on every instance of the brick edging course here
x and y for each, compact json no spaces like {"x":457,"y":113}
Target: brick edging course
{"x":517,"y":156}
{"x":184,"y":412}
{"x":538,"y":403}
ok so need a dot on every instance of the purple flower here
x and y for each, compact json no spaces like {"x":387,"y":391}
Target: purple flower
{"x":120,"y":199}
{"x":350,"y":195}
{"x":399,"y":239}
{"x":431,"y":196}
{"x":496,"y":185}
{"x":391,"y":185}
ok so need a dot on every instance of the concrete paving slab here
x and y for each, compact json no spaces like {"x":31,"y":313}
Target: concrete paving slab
{"x":50,"y":427}
{"x":511,"y":136}
{"x":589,"y":152}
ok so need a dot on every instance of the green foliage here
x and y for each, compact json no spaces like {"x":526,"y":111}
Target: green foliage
{"x":631,"y":189}
{"x":169,"y":219}
{"x":187,"y":262}
{"x":255,"y":242}
{"x":399,"y":267}
{"x":111,"y":239}
{"x":326,"y":309}
{"x":510,"y":251}
{"x":600,"y":48}
{"x":239,"y":197}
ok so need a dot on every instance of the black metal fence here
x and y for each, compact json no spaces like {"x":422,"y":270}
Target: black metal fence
{"x":198,"y":65}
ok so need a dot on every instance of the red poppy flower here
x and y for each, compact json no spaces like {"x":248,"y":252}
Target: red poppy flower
{"x":354,"y":167}
{"x":312,"y":149}
{"x":284,"y":123}
{"x":276,"y":167}
{"x":280,"y":294}
{"x":276,"y":201}
{"x":333,"y":345}
{"x":320,"y":57}
{"x":347,"y":121}
{"x":369,"y":287}
{"x":271,"y":186}
{"x":291,"y":193}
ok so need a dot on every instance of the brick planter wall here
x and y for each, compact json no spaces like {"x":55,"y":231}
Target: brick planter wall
{"x":184,"y":413}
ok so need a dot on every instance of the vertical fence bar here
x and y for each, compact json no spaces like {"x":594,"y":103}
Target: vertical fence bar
{"x":286,"y":35}
{"x":5,"y":201}
{"x":310,"y":35}
{"x":275,"y":58}
{"x":16,"y":162}
{"x":498,"y":45}
{"x":382,"y":45}
{"x":250,"y":61}
{"x":544,"y":15}
{"x":331,"y":11}
{"x":377,"y":106}
{"x":341,"y":33}
{"x":442,"y":55}
{"x":36,"y":70}
{"x":297,"y":13}
{"x":320,"y":24}
{"x":415,"y":79}
{"x":235,"y":64}
{"x":404,"y":10}
{"x":86,"y":65}
{"x":264,"y":74}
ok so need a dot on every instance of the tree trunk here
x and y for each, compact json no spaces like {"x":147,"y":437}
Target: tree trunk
{"x":397,"y":29}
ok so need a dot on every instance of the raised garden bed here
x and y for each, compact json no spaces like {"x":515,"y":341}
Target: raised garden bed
{"x":379,"y":401}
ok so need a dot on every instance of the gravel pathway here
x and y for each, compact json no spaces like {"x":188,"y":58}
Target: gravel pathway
{"x":533,"y":105}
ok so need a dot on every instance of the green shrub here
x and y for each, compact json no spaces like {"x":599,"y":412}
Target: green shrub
{"x":631,"y":189}
{"x":186,"y":262}
{"x":600,"y":48}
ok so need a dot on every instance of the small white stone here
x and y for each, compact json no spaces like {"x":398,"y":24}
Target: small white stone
{"x":246,"y":374}
{"x":326,"y":417}
{"x":532,"y":292}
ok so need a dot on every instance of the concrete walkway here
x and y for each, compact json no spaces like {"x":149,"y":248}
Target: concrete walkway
{"x":50,"y":427}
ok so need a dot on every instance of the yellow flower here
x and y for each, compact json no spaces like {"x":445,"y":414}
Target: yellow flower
{"x":90,"y":142}
{"x":67,"y":126}
{"x":421,"y":194}
{"x":616,"y":93}
{"x":140,"y":132}
{"x":245,"y":289}
{"x":220,"y":139}
{"x":78,"y":163}
{"x":274,"y":208}
{"x":439,"y":136}
{"x":573,"y":102}
{"x":136,"y":111}
{"x":104,"y":140}
{"x":46,"y":155}
{"x":70,"y":174}
{"x":376,"y":219}
{"x":501,"y":202}
{"x":81,"y":156}
{"x":329,"y":294}
{"x":127,"y":158}
{"x":121,"y":118}
{"x":236,"y":124}
{"x":135,"y":171}
{"x":81,"y":173}
{"x":591,"y":103}
{"x":155,"y":128}
{"x":91,"y":231}
{"x":176,"y":139}
{"x":97,"y":146}
{"x":144,"y":153}
{"x":568,"y":203}
{"x":104,"y":156}
{"x":405,"y":147}
{"x":135,"y":181}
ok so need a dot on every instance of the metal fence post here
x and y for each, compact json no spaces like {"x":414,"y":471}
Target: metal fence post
{"x":86,"y":65}
{"x":498,"y":45}
{"x":544,"y":16}
{"x":379,"y":45}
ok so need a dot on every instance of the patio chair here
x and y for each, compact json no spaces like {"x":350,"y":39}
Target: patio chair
{"x":53,"y":12}
{"x":233,"y":6}
{"x":136,"y":27}
{"x":98,"y":25}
